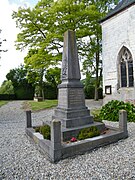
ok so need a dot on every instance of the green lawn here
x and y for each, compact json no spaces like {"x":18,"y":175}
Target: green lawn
{"x":3,"y":103}
{"x":35,"y":106}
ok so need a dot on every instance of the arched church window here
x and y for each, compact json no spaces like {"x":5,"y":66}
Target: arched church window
{"x":126,"y":68}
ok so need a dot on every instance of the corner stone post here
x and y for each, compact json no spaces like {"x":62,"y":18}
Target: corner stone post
{"x":55,"y":151}
{"x":28,"y":119}
{"x":123,"y":121}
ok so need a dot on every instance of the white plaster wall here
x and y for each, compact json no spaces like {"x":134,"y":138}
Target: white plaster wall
{"x":117,"y":32}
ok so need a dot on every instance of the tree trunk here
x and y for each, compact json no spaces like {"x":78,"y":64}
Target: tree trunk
{"x":97,"y":73}
{"x":43,"y":94}
{"x":96,"y":93}
{"x":41,"y":84}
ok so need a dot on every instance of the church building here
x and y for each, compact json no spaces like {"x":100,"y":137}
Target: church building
{"x":118,"y":41}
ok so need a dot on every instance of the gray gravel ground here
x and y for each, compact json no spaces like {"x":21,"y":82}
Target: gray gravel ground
{"x":21,"y":160}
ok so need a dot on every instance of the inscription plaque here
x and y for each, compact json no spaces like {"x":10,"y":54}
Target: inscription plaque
{"x":62,"y":97}
{"x":76,"y":96}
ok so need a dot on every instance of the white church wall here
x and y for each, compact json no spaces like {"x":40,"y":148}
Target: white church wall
{"x":117,"y":32}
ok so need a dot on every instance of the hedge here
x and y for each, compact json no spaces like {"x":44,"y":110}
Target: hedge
{"x":7,"y":97}
{"x":90,"y":92}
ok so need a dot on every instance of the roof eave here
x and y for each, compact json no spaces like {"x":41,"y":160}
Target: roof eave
{"x":117,"y":12}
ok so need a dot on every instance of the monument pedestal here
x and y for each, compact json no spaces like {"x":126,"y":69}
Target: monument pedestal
{"x":71,"y":108}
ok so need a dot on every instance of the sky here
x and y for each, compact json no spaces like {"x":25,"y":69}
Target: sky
{"x":12,"y":58}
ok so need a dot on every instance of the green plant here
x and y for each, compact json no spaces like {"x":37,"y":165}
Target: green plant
{"x":88,"y":133}
{"x":45,"y":131}
{"x":110,"y":111}
{"x":37,"y":129}
{"x":95,"y":113}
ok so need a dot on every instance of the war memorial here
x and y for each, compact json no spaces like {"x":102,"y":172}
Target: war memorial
{"x":71,"y":114}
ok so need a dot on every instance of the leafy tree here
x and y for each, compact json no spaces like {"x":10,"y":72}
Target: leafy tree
{"x":89,"y":87}
{"x":36,"y":77}
{"x":22,"y":89}
{"x":53,"y":76}
{"x":83,"y":17}
{"x":17,"y":76}
{"x":1,"y":41}
{"x":92,"y":55}
{"x":7,"y":88}
{"x":34,"y":25}
{"x":43,"y":26}
{"x":52,"y":79}
{"x":37,"y":61}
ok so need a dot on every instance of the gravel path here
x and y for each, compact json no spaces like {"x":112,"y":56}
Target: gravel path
{"x":20,"y":159}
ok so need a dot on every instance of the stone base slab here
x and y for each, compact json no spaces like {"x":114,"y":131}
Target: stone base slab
{"x":57,"y":149}
{"x":83,"y":146}
{"x":76,"y":148}
{"x":71,"y":113}
{"x":76,"y":122}
{"x":73,"y":118}
{"x":68,"y":133}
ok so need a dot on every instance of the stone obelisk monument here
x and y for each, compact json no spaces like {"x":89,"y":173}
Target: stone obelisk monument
{"x":71,"y":108}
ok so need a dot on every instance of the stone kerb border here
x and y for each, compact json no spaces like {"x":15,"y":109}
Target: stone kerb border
{"x":56,"y":150}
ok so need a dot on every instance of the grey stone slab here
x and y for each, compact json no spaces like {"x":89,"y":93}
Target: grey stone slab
{"x":72,"y":113}
{"x":70,"y":62}
{"x":55,"y":155}
{"x":76,"y":122}
{"x":28,"y":119}
{"x":71,"y":98}
{"x":44,"y":146}
{"x":56,"y":134}
{"x":68,"y":133}
{"x":38,"y":135}
{"x":83,"y":146}
{"x":123,"y":121}
{"x":76,"y":148}
{"x":30,"y":132}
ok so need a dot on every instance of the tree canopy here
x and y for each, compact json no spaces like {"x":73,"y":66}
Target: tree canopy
{"x":7,"y":87}
{"x":1,"y":41}
{"x":22,"y":88}
{"x":42,"y":29}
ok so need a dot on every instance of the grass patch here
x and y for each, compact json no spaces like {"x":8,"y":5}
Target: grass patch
{"x":35,"y":106}
{"x":3,"y":103}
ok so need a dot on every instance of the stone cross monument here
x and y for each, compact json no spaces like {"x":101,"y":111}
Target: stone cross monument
{"x":71,"y":108}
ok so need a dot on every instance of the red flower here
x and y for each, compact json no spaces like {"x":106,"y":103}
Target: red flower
{"x":73,"y":139}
